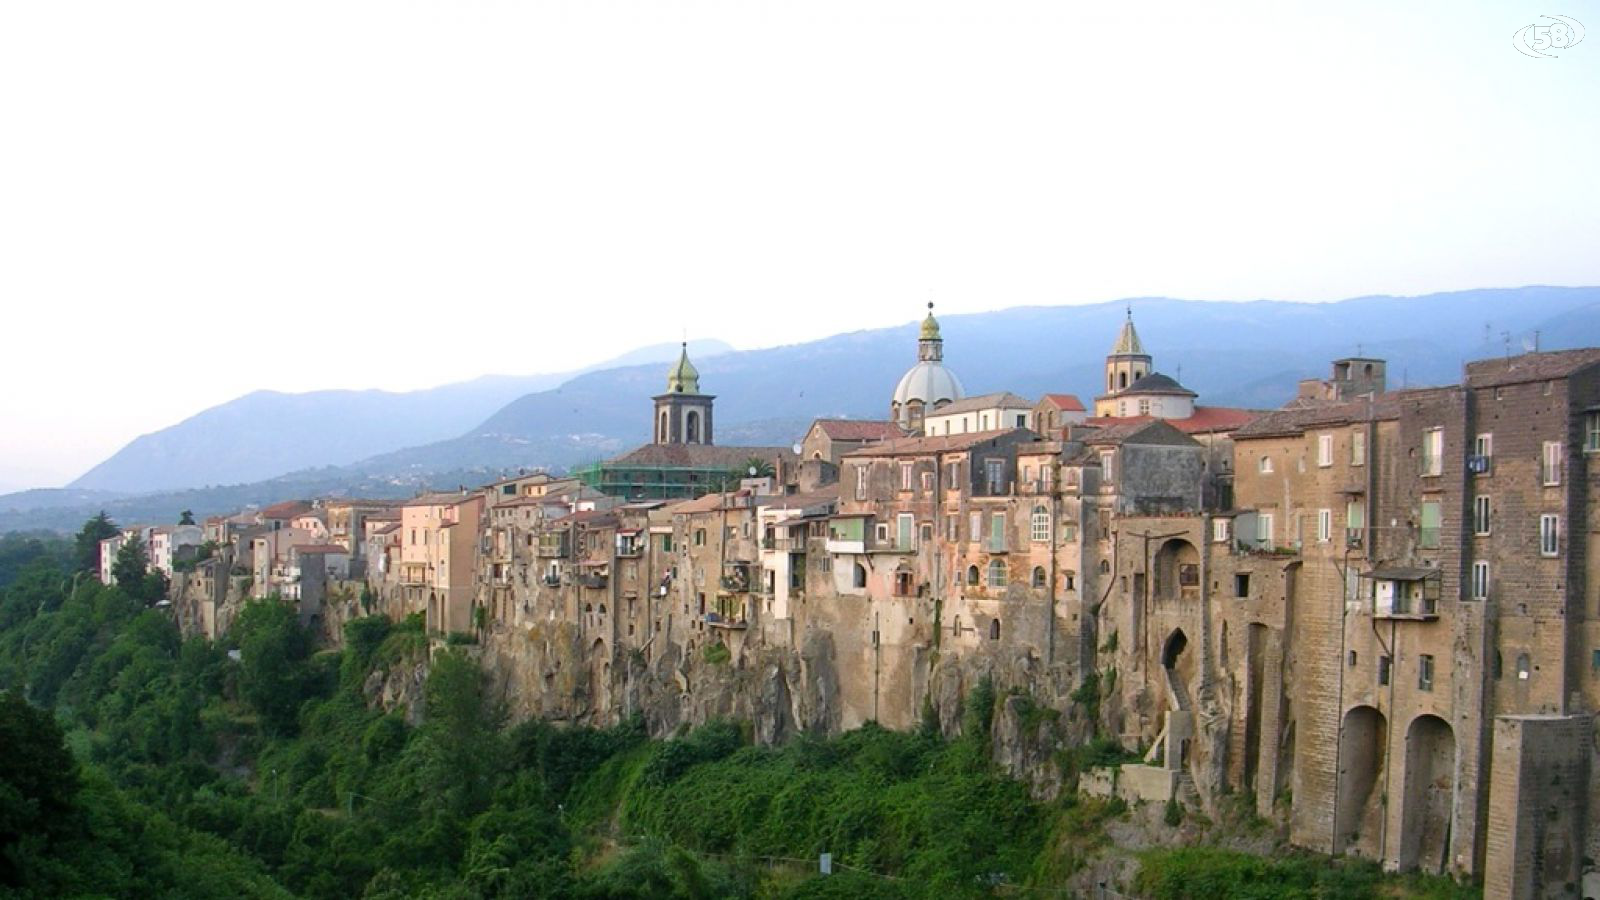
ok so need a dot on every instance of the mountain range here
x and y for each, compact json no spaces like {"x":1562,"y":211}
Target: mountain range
{"x":1232,"y":353}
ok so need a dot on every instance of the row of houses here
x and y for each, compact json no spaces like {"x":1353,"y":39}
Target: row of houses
{"x":1368,"y":612}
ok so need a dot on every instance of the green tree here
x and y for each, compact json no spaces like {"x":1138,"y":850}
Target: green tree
{"x":273,"y":676}
{"x":186,"y":517}
{"x":87,"y":542}
{"x":131,"y":564}
{"x":38,"y":780}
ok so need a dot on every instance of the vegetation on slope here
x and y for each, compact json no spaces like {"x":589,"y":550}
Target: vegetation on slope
{"x":168,"y":768}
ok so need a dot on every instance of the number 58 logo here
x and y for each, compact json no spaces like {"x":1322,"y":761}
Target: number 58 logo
{"x":1534,"y":40}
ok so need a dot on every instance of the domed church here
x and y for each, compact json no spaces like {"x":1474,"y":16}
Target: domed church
{"x":928,"y":385}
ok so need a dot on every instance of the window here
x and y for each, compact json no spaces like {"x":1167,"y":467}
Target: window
{"x":1549,"y":535}
{"x":861,"y":482}
{"x":860,"y":580}
{"x":1069,"y":580}
{"x":1524,"y":667}
{"x":882,"y":533}
{"x":1433,"y":451}
{"x":975,"y":527}
{"x":1324,"y":525}
{"x":1591,"y":432}
{"x":1355,"y":515}
{"x":994,"y":474}
{"x":1358,"y":448}
{"x":972,"y":576}
{"x":1107,"y":470}
{"x":1324,"y":450}
{"x":1022,"y":421}
{"x":1480,"y":514}
{"x":699,"y":537}
{"x":927,"y":532}
{"x":1594,"y":663}
{"x":1483,"y":445}
{"x":1499,"y":666}
{"x":1264,"y":528}
{"x":905,"y":476}
{"x":997,"y":532}
{"x":1480,"y":581}
{"x":1219,"y":530}
{"x":1040,"y":530}
{"x":1264,"y":465}
{"x":994,"y":629}
{"x":997,"y":573}
{"x":1144,"y":406}
{"x":1552,"y":463}
{"x":905,"y":532}
{"x":1038,"y":577}
{"x":1383,"y":670}
{"x":1425,"y":672}
{"x":1241,"y":584}
{"x":927,"y":482}
{"x":1428,"y":534}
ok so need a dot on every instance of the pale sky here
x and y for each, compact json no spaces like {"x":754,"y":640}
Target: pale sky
{"x":202,"y":199}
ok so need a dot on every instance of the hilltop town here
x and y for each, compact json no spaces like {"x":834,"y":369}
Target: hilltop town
{"x":1365,"y":612}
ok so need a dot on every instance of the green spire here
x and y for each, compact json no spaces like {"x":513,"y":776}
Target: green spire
{"x":684,"y":378}
{"x":1128,"y":341}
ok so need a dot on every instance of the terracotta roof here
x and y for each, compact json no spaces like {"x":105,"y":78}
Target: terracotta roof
{"x":1298,"y":419}
{"x":859,"y":429}
{"x":1001,"y":399}
{"x":943,"y":443}
{"x":817,"y":497}
{"x":1530,"y":367}
{"x":1205,"y":419}
{"x":1064,"y":402}
{"x":318,"y":548}
{"x":387,"y":529}
{"x":699,"y":456}
{"x":288,"y":509}
{"x":596,"y":517}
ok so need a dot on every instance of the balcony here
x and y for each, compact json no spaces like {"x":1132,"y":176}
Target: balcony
{"x":551,"y":580}
{"x":593,"y":580}
{"x":554,"y":545}
{"x":1406,"y":594}
{"x":718,"y":620}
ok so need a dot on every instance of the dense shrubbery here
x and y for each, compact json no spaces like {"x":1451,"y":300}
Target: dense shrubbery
{"x":1193,"y":873}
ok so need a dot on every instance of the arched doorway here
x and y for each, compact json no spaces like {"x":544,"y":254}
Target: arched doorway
{"x":1426,"y":818}
{"x":1361,"y":758}
{"x":1177,"y":572}
{"x":691,"y":428}
{"x":1178,"y":664}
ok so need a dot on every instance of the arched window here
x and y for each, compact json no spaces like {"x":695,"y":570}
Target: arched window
{"x":860,"y":575}
{"x":972,"y":576}
{"x":1038,"y":576}
{"x":1122,"y":379}
{"x":994,"y":629}
{"x":997,"y":573}
{"x":662,"y":436}
{"x":1105,"y":567}
{"x":1111,"y":382}
{"x":691,"y":428}
{"x":1041,"y":524}
{"x":1524,"y":667}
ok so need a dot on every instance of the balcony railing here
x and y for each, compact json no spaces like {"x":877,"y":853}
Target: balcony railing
{"x":717,"y":620}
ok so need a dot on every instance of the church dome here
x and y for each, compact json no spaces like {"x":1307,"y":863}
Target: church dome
{"x":929,"y":382}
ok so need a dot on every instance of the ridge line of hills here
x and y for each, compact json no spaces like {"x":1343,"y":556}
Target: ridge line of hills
{"x":1238,"y":354}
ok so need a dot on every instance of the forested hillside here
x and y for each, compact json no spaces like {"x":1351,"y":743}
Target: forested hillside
{"x":137,"y":763}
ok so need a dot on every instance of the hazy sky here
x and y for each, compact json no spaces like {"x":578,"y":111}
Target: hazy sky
{"x":202,"y":199}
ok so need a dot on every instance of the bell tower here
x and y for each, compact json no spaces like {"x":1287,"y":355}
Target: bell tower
{"x":683,"y":414}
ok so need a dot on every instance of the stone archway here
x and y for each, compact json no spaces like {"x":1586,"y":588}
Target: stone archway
{"x":1360,"y":803}
{"x":1427,"y":814}
{"x":1178,"y":665}
{"x":1177,"y":572}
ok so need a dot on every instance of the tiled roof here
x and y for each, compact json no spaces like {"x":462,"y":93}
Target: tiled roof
{"x":1065,"y":402}
{"x":1530,"y":367}
{"x":859,"y":429}
{"x":1002,"y":400}
{"x":943,"y":443}
{"x":1157,"y":383}
{"x":699,"y":456}
{"x":438,"y":498}
{"x":1149,"y":431}
{"x":285,"y":510}
{"x":1205,"y":419}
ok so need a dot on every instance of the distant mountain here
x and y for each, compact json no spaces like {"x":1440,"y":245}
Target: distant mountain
{"x":1238,"y":354}
{"x":266,"y":434}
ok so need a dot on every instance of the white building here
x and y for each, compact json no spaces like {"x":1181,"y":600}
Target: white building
{"x":985,"y":412}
